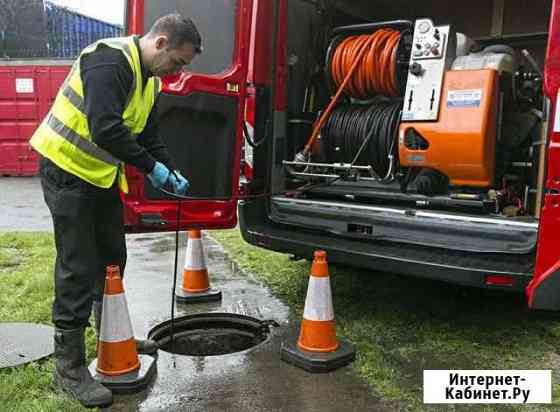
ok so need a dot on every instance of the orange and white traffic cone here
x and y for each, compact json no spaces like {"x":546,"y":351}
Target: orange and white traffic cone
{"x":118,"y":365}
{"x":318,"y":349}
{"x":196,"y":285}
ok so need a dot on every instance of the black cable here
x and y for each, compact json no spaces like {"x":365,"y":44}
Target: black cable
{"x":290,"y":192}
{"x":177,"y":228}
{"x":175,"y":267}
{"x":352,"y":129}
{"x":251,"y":142}
{"x":364,"y":135}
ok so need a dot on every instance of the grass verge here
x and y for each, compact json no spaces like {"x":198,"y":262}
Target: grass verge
{"x":403,"y":325}
{"x":26,"y":266}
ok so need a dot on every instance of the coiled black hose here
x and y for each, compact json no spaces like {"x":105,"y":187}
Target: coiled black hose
{"x":364,"y":135}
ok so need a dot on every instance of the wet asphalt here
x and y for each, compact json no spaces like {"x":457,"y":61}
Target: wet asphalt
{"x":252,"y":380}
{"x":22,"y":207}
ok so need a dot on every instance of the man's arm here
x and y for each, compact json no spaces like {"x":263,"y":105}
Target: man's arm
{"x":150,"y":140}
{"x":107,"y":79}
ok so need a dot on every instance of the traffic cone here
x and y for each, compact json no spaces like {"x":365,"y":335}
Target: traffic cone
{"x":196,"y":286}
{"x":317,"y":349}
{"x":118,"y":365}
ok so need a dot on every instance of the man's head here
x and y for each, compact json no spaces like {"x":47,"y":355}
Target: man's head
{"x":171,"y":44}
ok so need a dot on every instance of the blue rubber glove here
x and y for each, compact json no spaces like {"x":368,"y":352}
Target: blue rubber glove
{"x":179,"y":182}
{"x":159,"y":175}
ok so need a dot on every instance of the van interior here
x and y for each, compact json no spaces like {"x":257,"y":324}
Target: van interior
{"x":415,"y":122}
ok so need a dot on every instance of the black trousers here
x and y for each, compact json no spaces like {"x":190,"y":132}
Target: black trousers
{"x":89,"y":236}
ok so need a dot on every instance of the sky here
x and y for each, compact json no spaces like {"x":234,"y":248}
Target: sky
{"x":111,"y":11}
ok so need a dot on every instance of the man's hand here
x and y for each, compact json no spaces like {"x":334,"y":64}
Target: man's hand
{"x":180,"y":183}
{"x":159,"y":176}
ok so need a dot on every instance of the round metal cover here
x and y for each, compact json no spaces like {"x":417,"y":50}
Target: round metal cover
{"x":21,"y":343}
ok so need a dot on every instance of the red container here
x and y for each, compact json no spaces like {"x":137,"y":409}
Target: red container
{"x":27,"y":91}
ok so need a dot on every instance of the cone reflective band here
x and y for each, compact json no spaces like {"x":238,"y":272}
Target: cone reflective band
{"x":318,"y":333}
{"x":195,"y":274}
{"x":196,"y":284}
{"x":317,"y":349}
{"x":116,"y":349}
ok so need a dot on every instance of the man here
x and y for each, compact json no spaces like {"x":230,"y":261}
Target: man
{"x":102,"y":118}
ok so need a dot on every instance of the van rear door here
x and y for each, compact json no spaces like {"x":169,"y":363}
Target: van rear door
{"x":543,"y":292}
{"x":200,"y":114}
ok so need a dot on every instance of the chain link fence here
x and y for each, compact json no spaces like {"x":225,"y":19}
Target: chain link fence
{"x":33,"y":29}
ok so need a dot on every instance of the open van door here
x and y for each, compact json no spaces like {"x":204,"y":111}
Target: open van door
{"x":543,"y":292}
{"x":200,"y":115}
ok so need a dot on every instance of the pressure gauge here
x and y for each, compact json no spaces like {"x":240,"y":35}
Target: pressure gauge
{"x":424,"y":27}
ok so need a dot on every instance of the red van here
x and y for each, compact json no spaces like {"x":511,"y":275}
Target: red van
{"x":439,"y":159}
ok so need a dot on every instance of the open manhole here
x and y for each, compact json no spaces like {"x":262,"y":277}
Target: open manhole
{"x":210,"y":334}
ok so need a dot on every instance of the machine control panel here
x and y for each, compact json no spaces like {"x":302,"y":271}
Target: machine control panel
{"x":433,"y":51}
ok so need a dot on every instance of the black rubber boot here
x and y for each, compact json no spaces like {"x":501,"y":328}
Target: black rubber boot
{"x":143,"y":347}
{"x":71,"y":374}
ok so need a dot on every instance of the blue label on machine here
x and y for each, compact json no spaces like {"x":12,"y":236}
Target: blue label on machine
{"x":464,"y":98}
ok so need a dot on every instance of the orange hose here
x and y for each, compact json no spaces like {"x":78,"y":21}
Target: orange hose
{"x":362,"y":66}
{"x":376,"y":71}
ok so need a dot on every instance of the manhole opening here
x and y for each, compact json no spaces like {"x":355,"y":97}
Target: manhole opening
{"x":211,"y":334}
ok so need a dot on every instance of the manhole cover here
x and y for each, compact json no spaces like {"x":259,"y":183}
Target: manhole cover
{"x":210,"y":334}
{"x":24,"y":342}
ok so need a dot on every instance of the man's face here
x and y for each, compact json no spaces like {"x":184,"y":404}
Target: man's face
{"x":168,"y":61}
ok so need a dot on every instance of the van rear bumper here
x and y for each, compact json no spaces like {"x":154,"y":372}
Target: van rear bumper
{"x":459,"y":267}
{"x":464,"y":233}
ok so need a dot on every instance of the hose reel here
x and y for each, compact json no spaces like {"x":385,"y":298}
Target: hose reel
{"x":362,"y":62}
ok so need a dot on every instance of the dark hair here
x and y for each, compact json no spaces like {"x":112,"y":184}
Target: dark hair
{"x":179,"y":31}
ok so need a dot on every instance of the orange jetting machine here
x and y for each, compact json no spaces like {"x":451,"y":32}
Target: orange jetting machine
{"x":461,"y":142}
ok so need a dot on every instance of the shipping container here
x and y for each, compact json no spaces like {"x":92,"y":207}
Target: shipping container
{"x":27,"y":91}
{"x":38,"y":42}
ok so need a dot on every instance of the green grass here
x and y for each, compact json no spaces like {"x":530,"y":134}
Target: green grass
{"x":402,"y":325}
{"x":26,"y":265}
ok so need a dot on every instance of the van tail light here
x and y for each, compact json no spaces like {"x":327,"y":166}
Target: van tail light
{"x":500,"y":280}
{"x":247,"y":158}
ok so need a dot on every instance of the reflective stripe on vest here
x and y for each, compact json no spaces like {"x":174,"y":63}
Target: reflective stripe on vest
{"x":64,"y":135}
{"x":74,"y":98}
{"x":84,"y":145}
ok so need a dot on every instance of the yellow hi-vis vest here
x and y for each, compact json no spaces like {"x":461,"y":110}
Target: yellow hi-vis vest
{"x":64,"y":136}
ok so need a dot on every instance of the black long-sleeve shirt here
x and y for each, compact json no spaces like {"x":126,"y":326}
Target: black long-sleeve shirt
{"x":107,"y":79}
